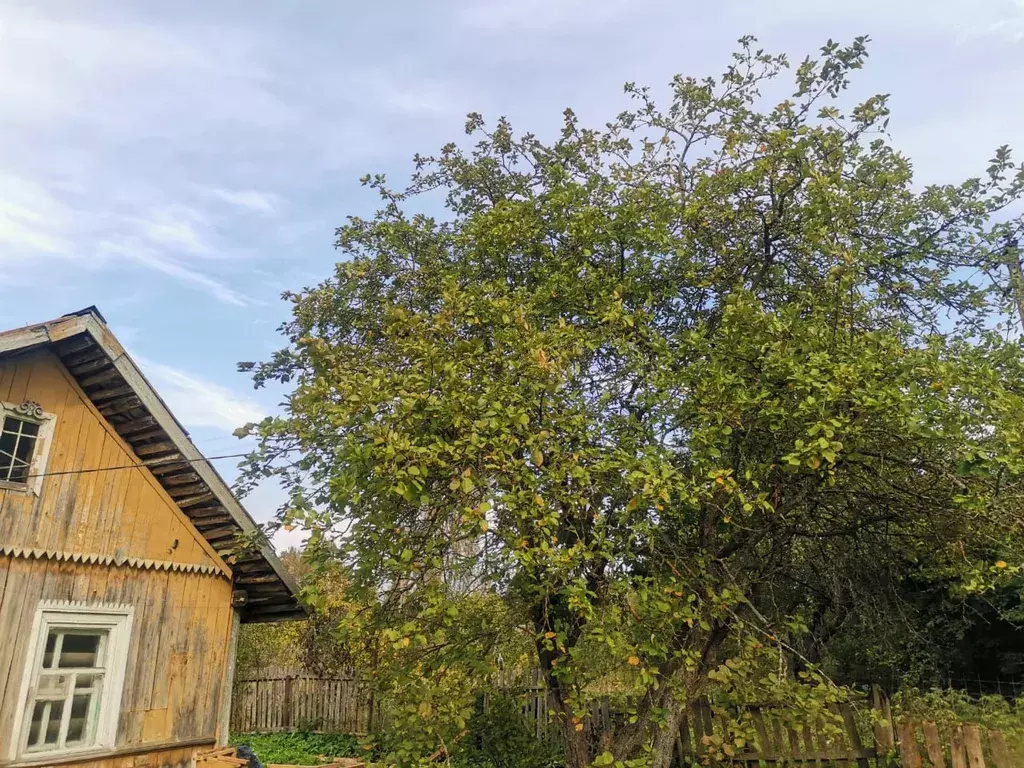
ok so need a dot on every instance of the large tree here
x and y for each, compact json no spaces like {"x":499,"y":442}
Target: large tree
{"x":657,"y":395}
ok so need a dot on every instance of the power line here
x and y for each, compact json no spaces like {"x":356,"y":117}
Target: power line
{"x":136,"y":466}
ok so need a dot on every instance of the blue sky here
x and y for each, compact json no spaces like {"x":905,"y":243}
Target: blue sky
{"x":180,"y":164}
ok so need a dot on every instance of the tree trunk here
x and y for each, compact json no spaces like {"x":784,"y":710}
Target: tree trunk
{"x":663,"y":748}
{"x":576,"y":751}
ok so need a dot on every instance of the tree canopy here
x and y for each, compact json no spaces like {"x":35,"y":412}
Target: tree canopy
{"x":652,"y":401}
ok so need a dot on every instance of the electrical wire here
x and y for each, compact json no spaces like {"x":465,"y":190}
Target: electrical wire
{"x":169,"y":462}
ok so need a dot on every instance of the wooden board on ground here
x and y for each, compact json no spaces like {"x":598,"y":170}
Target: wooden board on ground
{"x":225,"y":757}
{"x":338,"y":762}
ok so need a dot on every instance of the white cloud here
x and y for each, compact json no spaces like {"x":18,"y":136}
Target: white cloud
{"x":261,"y":202}
{"x":30,"y":219}
{"x":171,"y":229}
{"x":505,"y":15}
{"x":197,"y":402}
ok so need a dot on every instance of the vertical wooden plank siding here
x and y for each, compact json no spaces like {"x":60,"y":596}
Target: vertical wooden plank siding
{"x":119,"y":512}
{"x":167,"y":616}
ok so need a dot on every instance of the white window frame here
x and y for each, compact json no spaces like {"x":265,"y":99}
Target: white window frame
{"x":32,"y":412}
{"x":116,"y":621}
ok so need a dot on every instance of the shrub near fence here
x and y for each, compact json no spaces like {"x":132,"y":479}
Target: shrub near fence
{"x":286,"y":700}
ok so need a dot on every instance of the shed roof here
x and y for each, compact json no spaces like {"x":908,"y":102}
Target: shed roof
{"x":119,"y":390}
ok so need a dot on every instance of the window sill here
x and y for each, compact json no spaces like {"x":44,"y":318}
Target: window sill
{"x":41,"y":759}
{"x":6,"y":485}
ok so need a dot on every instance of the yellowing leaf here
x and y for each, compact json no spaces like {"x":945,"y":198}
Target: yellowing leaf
{"x":537,"y":457}
{"x":634,"y":661}
{"x":549,"y":635}
{"x":1000,"y":563}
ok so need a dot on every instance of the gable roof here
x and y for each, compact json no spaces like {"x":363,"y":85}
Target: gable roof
{"x":116,"y":386}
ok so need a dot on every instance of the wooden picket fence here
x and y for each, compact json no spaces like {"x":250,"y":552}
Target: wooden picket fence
{"x":284,"y":700}
{"x":871,"y":740}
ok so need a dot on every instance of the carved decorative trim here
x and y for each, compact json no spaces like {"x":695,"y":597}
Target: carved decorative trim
{"x":30,"y":409}
{"x":138,"y":563}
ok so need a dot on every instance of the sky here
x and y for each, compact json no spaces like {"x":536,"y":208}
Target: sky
{"x":179,"y":165}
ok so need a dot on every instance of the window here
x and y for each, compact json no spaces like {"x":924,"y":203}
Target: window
{"x":25,"y":432}
{"x":72,"y":684}
{"x":17,"y":447}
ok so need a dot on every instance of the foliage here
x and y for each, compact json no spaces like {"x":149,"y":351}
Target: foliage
{"x":715,"y":373}
{"x":499,"y":736}
{"x":317,"y":643}
{"x":951,"y":707}
{"x":299,"y":748}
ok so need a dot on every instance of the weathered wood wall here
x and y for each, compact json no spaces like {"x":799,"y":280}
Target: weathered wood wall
{"x":113,"y":537}
{"x":118,"y":512}
{"x":178,"y":649}
{"x":174,"y":757}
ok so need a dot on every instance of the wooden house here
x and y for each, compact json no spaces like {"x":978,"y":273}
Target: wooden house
{"x":122,"y":582}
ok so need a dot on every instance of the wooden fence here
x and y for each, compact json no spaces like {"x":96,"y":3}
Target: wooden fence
{"x":853,"y":735}
{"x":283,"y":701}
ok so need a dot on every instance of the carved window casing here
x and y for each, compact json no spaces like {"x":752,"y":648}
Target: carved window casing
{"x":26,"y":432}
{"x":72,"y":681}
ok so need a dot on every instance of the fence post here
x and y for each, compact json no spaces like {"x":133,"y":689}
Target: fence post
{"x":1000,"y":752}
{"x":972,"y":741}
{"x":288,"y":702}
{"x":909,"y":755}
{"x":958,"y":758}
{"x":885,"y":739}
{"x":933,"y":744}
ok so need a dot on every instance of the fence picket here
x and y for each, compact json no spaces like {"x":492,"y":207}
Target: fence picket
{"x":972,"y":741}
{"x":957,"y":753}
{"x":910,"y":757}
{"x":933,"y":744}
{"x":345,"y":703}
{"x":1000,"y":752}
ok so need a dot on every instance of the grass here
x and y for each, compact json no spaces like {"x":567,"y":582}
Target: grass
{"x":298,"y":747}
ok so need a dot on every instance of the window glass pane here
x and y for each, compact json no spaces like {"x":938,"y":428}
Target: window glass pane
{"x":52,"y":686}
{"x":51,"y":643}
{"x":87,"y":681}
{"x":19,"y":472}
{"x":11,"y":424}
{"x":80,"y":650}
{"x":37,"y":719}
{"x":53,"y":726}
{"x":7,"y":443}
{"x":79,"y":717}
{"x":24,"y":450}
{"x":29,"y":428}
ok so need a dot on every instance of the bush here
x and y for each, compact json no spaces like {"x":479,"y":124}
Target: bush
{"x":298,"y":747}
{"x":501,"y":737}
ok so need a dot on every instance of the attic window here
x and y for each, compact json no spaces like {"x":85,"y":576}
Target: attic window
{"x":25,"y":432}
{"x":17,"y":447}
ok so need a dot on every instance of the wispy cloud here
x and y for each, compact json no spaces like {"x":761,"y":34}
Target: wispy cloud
{"x":30,"y":219}
{"x":197,"y":402}
{"x":136,"y":250}
{"x":505,"y":15}
{"x":261,"y":202}
{"x":37,"y":224}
